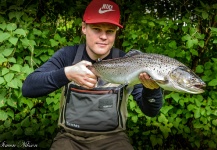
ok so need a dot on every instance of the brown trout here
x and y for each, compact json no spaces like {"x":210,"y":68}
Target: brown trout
{"x":167,"y":72}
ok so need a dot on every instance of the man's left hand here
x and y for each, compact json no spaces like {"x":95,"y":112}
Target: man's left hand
{"x":147,"y":81}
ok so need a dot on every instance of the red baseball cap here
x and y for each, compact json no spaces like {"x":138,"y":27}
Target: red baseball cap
{"x":102,"y":11}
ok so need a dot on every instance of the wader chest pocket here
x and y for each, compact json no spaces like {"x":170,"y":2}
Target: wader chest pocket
{"x":92,"y":110}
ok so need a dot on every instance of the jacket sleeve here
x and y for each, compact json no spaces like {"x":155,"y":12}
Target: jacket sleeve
{"x":149,"y":101}
{"x":49,"y":77}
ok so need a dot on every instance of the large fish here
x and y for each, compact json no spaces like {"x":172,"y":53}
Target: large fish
{"x":167,"y":72}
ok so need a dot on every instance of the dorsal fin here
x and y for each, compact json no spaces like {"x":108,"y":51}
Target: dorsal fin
{"x":133,"y":52}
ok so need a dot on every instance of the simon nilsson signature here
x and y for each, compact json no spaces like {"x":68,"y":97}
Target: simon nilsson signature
{"x":20,"y":144}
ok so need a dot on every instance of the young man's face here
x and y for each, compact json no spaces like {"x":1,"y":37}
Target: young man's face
{"x":100,"y":38}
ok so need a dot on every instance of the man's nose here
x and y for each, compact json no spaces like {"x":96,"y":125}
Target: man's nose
{"x":103,"y":35}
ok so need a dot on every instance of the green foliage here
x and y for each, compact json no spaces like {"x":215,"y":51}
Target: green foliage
{"x":185,"y":121}
{"x":25,"y":43}
{"x":30,"y":34}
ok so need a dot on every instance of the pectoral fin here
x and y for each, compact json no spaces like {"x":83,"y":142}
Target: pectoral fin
{"x":161,"y":81}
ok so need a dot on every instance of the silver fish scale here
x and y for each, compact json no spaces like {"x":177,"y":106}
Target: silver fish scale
{"x":126,"y":69}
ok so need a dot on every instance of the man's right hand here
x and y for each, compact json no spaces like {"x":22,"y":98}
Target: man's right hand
{"x":80,"y":74}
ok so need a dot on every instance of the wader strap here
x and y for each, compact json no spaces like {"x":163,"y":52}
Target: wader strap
{"x":115,"y":52}
{"x":79,"y":53}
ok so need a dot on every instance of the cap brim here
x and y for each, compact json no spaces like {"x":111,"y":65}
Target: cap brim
{"x":103,"y":21}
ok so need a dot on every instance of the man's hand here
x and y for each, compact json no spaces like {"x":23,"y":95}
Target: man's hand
{"x":80,"y":74}
{"x":147,"y":81}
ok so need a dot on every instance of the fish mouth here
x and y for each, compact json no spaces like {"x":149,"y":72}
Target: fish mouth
{"x":200,"y":87}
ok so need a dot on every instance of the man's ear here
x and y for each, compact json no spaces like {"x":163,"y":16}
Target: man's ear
{"x":84,"y":27}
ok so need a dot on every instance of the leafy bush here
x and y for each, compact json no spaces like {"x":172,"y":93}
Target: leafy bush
{"x":25,"y":43}
{"x":27,"y":39}
{"x":185,"y":121}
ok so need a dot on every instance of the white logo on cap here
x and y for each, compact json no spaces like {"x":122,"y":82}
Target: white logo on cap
{"x":106,"y":8}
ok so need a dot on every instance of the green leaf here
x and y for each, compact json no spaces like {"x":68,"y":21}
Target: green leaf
{"x":189,"y":43}
{"x":18,"y":131}
{"x":53,"y":42}
{"x":212,"y":144}
{"x":153,"y":140}
{"x":49,"y":100}
{"x":5,"y":71}
{"x":173,"y":44}
{"x":32,"y":112}
{"x":214,"y":122}
{"x":30,"y":104}
{"x":7,"y":52}
{"x":191,"y":107}
{"x":132,"y":105}
{"x":165,"y":109}
{"x":2,"y":59}
{"x":125,"y":44}
{"x":3,"y":26}
{"x":187,"y":129}
{"x":213,"y":29}
{"x":10,"y":113}
{"x":8,"y":77}
{"x":13,"y":83}
{"x":44,"y":57}
{"x":20,"y":32}
{"x":3,"y":115}
{"x":26,"y":69}
{"x":12,"y":103}
{"x":201,"y":43}
{"x":193,"y":31}
{"x":197,"y":125}
{"x":37,"y":32}
{"x":12,"y":15}
{"x":162,"y":118}
{"x":13,"y":40}
{"x":134,"y":119}
{"x":213,"y":82}
{"x":199,"y":69}
{"x":56,"y":107}
{"x":51,"y":129}
{"x":203,"y":119}
{"x":156,"y":140}
{"x":151,"y":24}
{"x":25,"y":122}
{"x":2,"y":101}
{"x":1,"y":81}
{"x":29,"y":131}
{"x":205,"y":15}
{"x":197,"y":113}
{"x":175,"y":96}
{"x":4,"y":36}
{"x":45,"y":121}
{"x":11,"y":26}
{"x":16,"y":68}
{"x":194,"y":52}
{"x":25,"y":42}
{"x":185,"y":29}
{"x":31,"y":44}
{"x":186,"y":38}
{"x":197,"y":143}
{"x":165,"y":130}
{"x":7,"y":123}
{"x":12,"y":59}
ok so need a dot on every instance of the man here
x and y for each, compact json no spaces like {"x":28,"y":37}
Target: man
{"x":82,"y":125}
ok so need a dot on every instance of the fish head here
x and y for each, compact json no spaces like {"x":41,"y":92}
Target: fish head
{"x":183,"y":79}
